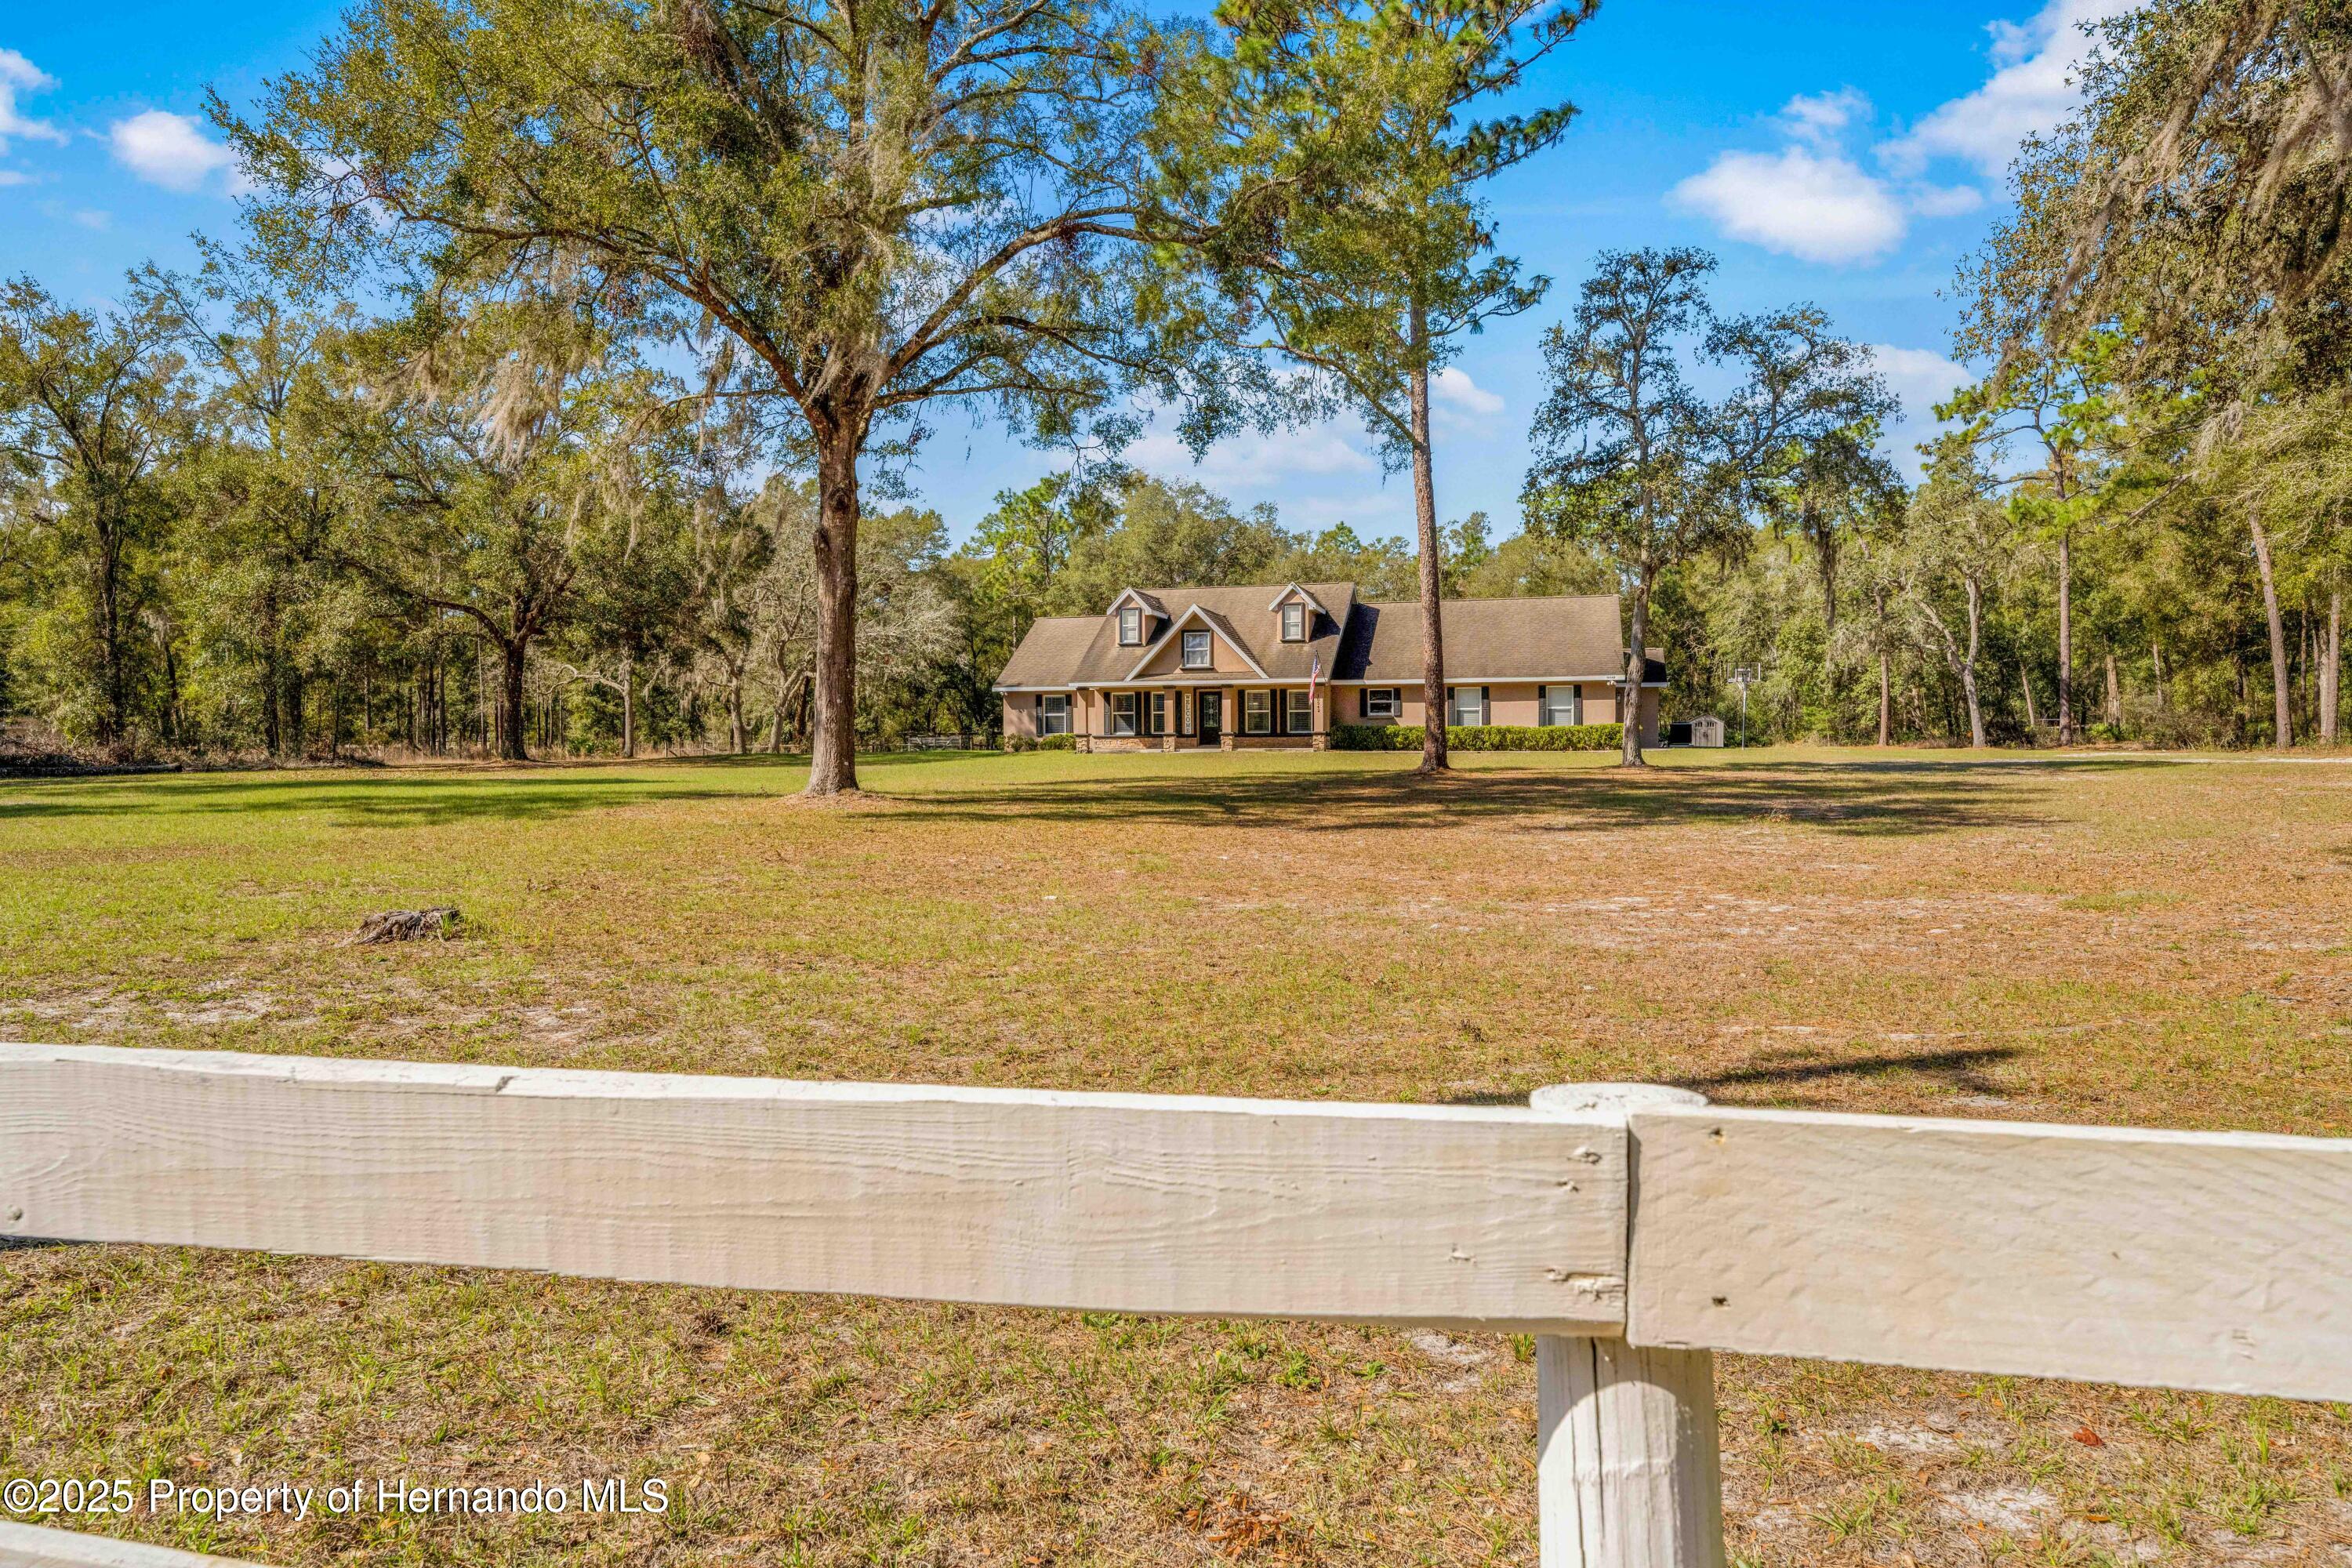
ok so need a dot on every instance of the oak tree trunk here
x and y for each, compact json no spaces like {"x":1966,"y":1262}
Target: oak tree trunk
{"x":833,"y":750}
{"x":1629,"y":701}
{"x":629,"y":705}
{"x":114,"y":719}
{"x":510,"y":701}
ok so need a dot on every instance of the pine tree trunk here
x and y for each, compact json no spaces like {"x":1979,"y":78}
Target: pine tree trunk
{"x":1885,"y":705}
{"x":2115,"y":694}
{"x":1432,"y":577}
{"x":2282,"y":736}
{"x":1968,"y":670}
{"x":2066,"y":735}
{"x":2331,"y":668}
{"x":2032,"y":720}
{"x":833,"y":754}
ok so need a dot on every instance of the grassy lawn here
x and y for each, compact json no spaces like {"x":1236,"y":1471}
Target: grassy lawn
{"x":2117,"y":938}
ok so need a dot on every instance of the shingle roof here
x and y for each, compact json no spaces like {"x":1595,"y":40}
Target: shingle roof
{"x":1491,"y":639}
{"x":1081,"y":650}
{"x":1054,"y":646}
{"x":1485,"y":639}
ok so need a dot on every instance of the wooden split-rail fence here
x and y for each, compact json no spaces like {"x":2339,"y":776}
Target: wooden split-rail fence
{"x":1633,"y":1230}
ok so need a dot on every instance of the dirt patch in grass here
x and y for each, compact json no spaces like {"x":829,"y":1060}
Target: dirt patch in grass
{"x":2113,"y":940}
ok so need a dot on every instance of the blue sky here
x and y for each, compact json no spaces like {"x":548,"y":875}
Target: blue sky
{"x":1844,"y":152}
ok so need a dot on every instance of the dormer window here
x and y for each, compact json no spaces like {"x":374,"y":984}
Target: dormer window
{"x":1130,"y":626}
{"x":1196,"y":651}
{"x":1294,"y":621}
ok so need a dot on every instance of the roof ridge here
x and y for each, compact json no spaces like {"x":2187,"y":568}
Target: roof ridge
{"x":1256,"y":587}
{"x":1502,"y":599}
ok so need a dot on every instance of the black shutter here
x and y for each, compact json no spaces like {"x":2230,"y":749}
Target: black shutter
{"x":1485,"y":702}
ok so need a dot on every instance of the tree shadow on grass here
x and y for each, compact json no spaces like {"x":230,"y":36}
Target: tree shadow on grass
{"x":427,"y":796}
{"x":1867,"y":800}
{"x":1960,"y":1070}
{"x":364,"y":801}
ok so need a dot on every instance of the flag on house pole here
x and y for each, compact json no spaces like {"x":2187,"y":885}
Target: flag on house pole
{"x":1314,"y":678}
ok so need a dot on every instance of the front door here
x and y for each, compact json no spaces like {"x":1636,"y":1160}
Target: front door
{"x":1212,"y":717}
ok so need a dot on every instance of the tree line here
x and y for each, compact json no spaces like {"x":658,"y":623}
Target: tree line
{"x":561,"y":392}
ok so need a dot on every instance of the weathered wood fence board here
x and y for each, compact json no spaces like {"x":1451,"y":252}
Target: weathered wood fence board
{"x":2216,"y":1262}
{"x":25,"y":1546}
{"x":1497,"y":1219}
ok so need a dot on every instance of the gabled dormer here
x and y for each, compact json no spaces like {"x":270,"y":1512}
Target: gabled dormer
{"x":1138,"y":618}
{"x":1198,"y":642}
{"x":1298,"y":615}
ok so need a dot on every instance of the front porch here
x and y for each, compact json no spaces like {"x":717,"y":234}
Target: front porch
{"x":1200,"y":716}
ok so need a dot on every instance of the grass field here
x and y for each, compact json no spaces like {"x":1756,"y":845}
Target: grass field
{"x":2120,"y":939}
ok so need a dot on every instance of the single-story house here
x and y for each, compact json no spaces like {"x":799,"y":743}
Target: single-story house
{"x":1280,"y":664}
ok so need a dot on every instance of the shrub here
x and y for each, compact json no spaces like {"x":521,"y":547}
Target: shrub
{"x":1375,"y":738}
{"x":1482,"y":737}
{"x":1057,"y":744}
{"x":1536,"y":737}
{"x":1020,"y":744}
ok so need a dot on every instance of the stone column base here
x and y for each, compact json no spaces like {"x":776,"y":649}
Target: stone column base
{"x":1225,"y":743}
{"x":1320,"y":743}
{"x":1086,"y":743}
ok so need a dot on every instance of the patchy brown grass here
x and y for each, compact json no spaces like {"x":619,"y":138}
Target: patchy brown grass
{"x":2111,"y":940}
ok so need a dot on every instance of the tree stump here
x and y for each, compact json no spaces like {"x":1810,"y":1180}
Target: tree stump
{"x":438,"y":924}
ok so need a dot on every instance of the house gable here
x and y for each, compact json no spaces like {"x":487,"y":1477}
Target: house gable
{"x":1165,"y":656}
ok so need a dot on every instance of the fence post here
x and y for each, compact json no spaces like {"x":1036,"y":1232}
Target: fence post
{"x":1626,"y":1467}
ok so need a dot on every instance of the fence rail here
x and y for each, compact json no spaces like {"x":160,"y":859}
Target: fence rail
{"x":1633,"y":1230}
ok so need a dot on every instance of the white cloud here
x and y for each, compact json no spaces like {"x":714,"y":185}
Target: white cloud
{"x":1815,"y":204}
{"x":1822,"y":117}
{"x":14,"y":177}
{"x":93,"y":217}
{"x":18,"y":75}
{"x":171,"y":150}
{"x":2030,"y":92}
{"x":1811,"y":199}
{"x":1454,"y":387}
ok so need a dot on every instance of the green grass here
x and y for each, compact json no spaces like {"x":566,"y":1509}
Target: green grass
{"x":2109,"y":939}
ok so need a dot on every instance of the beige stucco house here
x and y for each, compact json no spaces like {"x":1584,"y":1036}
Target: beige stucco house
{"x":1280,"y":664}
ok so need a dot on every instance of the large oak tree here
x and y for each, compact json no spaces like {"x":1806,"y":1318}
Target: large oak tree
{"x":858,"y":209}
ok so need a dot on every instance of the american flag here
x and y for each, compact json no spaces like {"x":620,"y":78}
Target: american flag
{"x":1314,"y":678}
